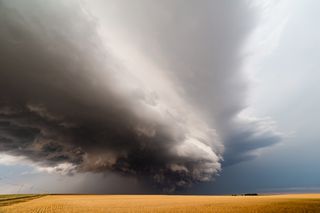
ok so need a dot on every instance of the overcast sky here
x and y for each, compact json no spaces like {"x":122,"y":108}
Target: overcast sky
{"x":159,"y":96}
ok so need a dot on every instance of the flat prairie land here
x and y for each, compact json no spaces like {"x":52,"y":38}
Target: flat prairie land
{"x":6,"y":200}
{"x":167,"y":203}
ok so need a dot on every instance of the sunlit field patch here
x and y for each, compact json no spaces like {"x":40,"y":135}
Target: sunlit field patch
{"x":168,"y":203}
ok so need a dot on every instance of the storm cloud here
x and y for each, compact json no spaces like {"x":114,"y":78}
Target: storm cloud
{"x":150,"y":89}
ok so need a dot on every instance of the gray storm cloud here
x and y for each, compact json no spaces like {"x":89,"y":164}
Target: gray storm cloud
{"x":150,"y":89}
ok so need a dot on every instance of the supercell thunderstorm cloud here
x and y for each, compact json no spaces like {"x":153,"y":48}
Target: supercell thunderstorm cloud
{"x":151,"y":89}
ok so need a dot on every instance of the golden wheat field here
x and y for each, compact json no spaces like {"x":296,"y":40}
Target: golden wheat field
{"x":167,"y":203}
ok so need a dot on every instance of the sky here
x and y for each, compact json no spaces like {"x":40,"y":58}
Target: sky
{"x":209,"y":97}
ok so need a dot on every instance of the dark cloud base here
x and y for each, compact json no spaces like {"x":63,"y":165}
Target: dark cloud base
{"x":55,"y":108}
{"x":60,"y":102}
